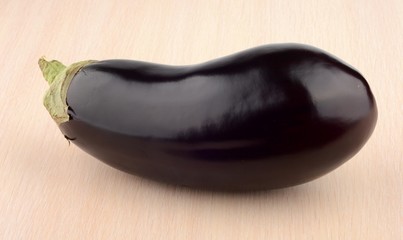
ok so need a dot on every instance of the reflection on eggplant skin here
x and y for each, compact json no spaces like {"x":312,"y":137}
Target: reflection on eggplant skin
{"x":268,"y":117}
{"x":335,"y":93}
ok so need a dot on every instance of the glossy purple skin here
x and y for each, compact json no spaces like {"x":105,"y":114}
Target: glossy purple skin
{"x":268,"y":117}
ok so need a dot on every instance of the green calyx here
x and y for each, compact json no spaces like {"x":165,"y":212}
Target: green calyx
{"x":59,"y":78}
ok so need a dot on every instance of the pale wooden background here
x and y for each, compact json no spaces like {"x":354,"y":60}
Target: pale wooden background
{"x":50,"y":190}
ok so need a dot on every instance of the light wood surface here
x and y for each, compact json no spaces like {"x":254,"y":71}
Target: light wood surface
{"x":50,"y":190}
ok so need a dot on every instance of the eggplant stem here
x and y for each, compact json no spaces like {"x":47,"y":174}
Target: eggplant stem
{"x":50,"y":69}
{"x":59,"y":78}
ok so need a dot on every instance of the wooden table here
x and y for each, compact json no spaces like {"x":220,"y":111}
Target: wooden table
{"x":50,"y":190}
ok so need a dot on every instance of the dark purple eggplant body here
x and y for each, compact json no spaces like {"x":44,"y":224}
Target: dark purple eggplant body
{"x":268,"y":117}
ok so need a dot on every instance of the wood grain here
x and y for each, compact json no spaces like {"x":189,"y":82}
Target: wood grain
{"x":50,"y":190}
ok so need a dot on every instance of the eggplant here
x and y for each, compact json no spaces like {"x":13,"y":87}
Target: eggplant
{"x":268,"y":117}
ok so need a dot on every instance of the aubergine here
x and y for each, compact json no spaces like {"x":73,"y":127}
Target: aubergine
{"x":269,"y":117}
